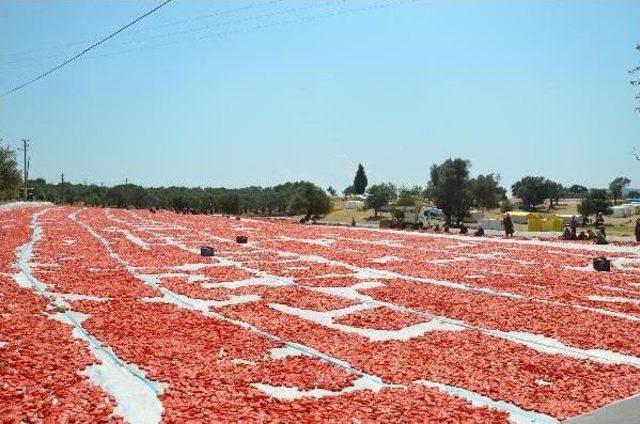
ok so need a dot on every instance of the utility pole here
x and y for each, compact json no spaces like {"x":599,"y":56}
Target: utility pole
{"x":25,"y":166}
{"x":62,"y":188}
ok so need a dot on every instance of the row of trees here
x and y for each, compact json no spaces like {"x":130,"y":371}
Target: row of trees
{"x":451,"y":188}
{"x":292,"y":198}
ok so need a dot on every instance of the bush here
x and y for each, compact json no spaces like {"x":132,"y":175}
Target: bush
{"x":506,"y":206}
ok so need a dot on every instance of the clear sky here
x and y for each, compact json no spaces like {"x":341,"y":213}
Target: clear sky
{"x":202,"y":93}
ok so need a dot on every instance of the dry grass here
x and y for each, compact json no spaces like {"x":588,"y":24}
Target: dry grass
{"x":341,"y":215}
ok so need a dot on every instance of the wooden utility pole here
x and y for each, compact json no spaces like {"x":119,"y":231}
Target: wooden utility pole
{"x":25,"y":166}
{"x":62,"y":188}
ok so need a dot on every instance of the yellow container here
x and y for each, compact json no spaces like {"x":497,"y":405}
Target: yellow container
{"x":545,"y":224}
{"x":534,"y":224}
{"x":554,"y":224}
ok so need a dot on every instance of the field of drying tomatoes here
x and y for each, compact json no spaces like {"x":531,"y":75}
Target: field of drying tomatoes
{"x":114,"y":316}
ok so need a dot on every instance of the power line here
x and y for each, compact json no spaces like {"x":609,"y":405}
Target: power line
{"x":85,"y":51}
{"x":203,"y":28}
{"x":133,"y":32}
{"x":301,"y":19}
{"x":262,"y":27}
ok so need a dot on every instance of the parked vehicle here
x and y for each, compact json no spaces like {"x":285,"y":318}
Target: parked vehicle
{"x":416,"y":217}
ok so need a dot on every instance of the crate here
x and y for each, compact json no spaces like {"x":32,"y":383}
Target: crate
{"x":601,"y":264}
{"x":206,"y":251}
{"x":242,"y":239}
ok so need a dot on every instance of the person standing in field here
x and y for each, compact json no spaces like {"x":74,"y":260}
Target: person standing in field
{"x":507,"y":223}
{"x":601,"y":238}
{"x":574,"y":225}
{"x":637,"y":229}
{"x":600,"y":224}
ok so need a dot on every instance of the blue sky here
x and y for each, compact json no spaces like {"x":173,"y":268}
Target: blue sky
{"x":204,"y":94}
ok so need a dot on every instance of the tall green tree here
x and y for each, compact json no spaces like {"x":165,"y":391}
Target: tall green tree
{"x":486,"y":191}
{"x":532,"y":191}
{"x":309,"y":199}
{"x":616,"y":186}
{"x":360,"y":181}
{"x":577,"y":191}
{"x":554,"y":191}
{"x":448,"y":187}
{"x":10,"y":179}
{"x":596,"y":201}
{"x":380,"y":195}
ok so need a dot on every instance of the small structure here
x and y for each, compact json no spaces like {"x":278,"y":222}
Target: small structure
{"x":623,"y":211}
{"x":353,"y":205}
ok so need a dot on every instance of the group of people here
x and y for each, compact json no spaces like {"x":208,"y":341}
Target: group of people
{"x":570,"y":231}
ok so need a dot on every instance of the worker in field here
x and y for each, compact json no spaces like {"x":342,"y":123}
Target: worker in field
{"x":445,"y":228}
{"x":637,"y":231}
{"x":600,"y":224}
{"x":507,"y":223}
{"x":574,"y":225}
{"x":353,"y":222}
{"x":601,"y":238}
{"x":568,"y":234}
{"x":463,"y":228}
{"x":582,"y":236}
{"x":591,"y":235}
{"x":479,"y":231}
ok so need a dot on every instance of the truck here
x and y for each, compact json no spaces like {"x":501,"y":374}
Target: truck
{"x":416,"y":217}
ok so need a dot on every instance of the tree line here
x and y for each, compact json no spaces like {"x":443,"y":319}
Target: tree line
{"x":291,"y":198}
{"x":450,"y":187}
